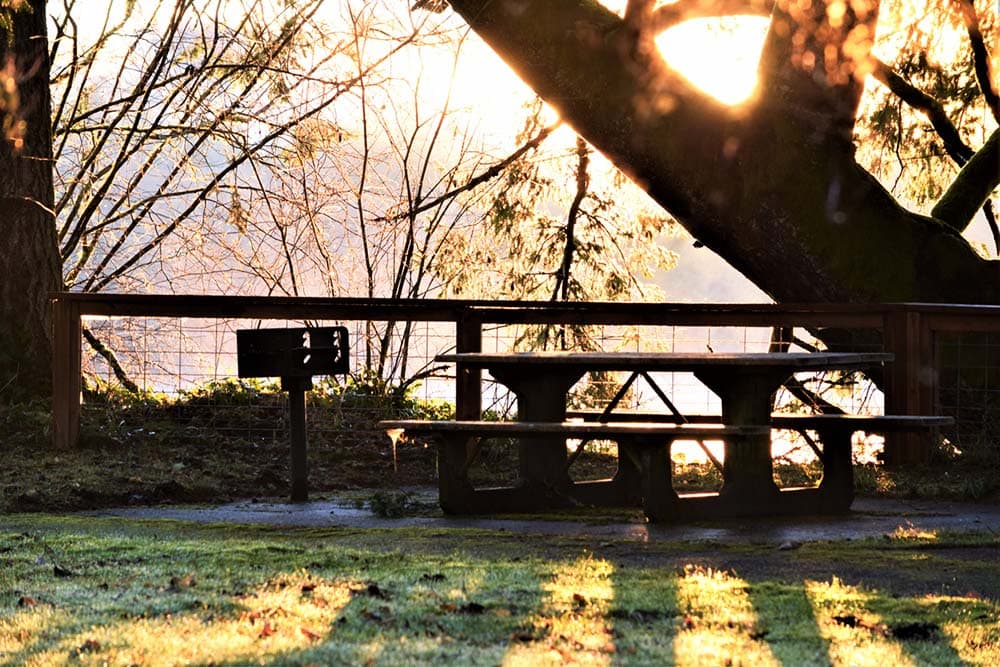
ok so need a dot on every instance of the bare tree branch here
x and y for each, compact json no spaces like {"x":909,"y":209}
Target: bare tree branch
{"x":474,"y":182}
{"x":112,"y":359}
{"x":561,"y":290}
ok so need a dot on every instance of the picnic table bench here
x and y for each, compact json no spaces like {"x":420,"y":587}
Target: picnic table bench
{"x":744,"y":382}
{"x":643,"y":461}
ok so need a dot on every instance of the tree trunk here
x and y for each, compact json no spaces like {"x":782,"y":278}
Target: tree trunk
{"x":772,"y":186}
{"x":29,"y":256}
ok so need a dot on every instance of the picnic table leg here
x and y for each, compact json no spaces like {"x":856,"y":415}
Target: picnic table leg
{"x":748,"y":477}
{"x":454,"y":489}
{"x":837,"y":485}
{"x":541,"y":398}
{"x":628,"y":479}
{"x":659,"y":500}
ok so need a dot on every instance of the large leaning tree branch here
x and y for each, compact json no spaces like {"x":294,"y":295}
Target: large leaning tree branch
{"x":973,"y":185}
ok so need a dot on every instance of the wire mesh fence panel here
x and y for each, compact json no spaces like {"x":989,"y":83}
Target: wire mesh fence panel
{"x":968,"y":388}
{"x":186,"y":371}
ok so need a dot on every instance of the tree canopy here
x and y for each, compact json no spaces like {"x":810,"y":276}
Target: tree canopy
{"x":773,"y":185}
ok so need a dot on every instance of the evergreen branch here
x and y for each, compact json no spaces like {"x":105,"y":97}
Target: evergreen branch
{"x":959,"y":151}
{"x":980,"y":56}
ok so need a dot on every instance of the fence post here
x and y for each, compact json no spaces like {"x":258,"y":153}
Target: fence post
{"x":910,"y":383}
{"x":468,"y":385}
{"x":66,"y":373}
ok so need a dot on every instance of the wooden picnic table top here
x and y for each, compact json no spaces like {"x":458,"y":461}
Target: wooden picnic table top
{"x":671,"y":361}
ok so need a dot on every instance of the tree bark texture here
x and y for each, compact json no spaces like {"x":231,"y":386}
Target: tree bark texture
{"x":773,"y":185}
{"x":29,"y":259}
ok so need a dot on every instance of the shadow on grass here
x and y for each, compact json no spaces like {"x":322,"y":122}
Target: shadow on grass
{"x":163,"y":593}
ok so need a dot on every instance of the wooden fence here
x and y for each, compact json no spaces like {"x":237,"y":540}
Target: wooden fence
{"x":907,"y":330}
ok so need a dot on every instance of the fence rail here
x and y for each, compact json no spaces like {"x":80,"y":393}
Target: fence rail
{"x":909,"y":330}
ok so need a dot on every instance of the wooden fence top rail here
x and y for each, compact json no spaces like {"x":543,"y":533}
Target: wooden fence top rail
{"x":841,"y":315}
{"x":503,"y":312}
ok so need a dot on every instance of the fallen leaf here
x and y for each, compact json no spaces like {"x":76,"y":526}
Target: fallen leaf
{"x":180,"y":583}
{"x":371,"y":616}
{"x":26,"y":601}
{"x":472,"y":608}
{"x":688,"y":623}
{"x":60,"y":571}
{"x":266,"y":631}
{"x":852,"y":621}
{"x":308,"y":588}
{"x":437,"y":576}
{"x":375,"y":592}
{"x":579,"y":600}
{"x":89,"y":646}
{"x":312,"y":636}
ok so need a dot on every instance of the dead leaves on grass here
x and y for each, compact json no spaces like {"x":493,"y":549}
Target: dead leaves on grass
{"x":178,"y":584}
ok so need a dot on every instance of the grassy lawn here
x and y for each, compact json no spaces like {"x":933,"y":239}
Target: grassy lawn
{"x":85,"y":591}
{"x":100,"y":591}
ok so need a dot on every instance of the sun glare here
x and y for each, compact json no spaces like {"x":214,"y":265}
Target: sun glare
{"x":719,"y":56}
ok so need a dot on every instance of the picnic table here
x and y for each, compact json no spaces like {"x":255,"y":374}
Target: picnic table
{"x":744,"y":383}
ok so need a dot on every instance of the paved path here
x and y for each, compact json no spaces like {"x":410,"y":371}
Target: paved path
{"x":868,"y":518}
